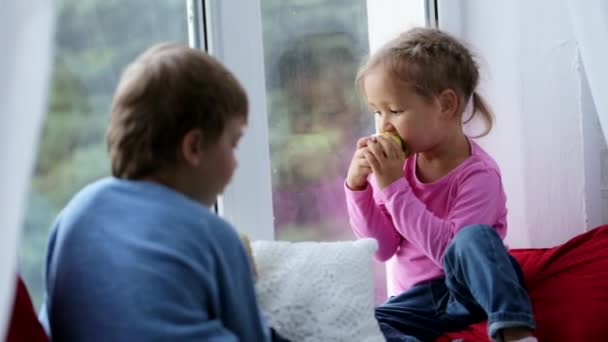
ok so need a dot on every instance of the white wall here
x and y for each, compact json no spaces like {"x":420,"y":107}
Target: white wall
{"x":596,"y":160}
{"x":532,"y":78}
{"x":590,"y":22}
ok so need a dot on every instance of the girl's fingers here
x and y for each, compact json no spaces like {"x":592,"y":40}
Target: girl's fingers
{"x":363,"y":163}
{"x":360,"y":154}
{"x":367,"y":169}
{"x":377,"y":150}
{"x":373,"y":162}
{"x":389,"y":147}
{"x":361,"y":143}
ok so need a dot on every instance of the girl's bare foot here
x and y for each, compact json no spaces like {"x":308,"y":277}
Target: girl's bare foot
{"x":518,"y":335}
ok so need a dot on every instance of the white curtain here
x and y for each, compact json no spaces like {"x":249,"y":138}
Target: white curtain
{"x":26,"y":40}
{"x":590,"y":22}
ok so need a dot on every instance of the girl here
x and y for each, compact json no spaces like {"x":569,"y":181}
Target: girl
{"x":439,"y":213}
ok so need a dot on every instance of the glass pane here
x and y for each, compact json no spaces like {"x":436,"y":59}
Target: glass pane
{"x":95,"y":39}
{"x":312,"y":51}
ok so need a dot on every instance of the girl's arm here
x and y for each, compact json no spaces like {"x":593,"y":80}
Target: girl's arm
{"x":479,"y":200}
{"x":369,"y":219}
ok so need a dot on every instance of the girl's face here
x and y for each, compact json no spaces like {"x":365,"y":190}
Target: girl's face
{"x":398,"y":108}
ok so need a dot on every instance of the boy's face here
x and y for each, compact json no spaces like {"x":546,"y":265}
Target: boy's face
{"x":215,"y":164}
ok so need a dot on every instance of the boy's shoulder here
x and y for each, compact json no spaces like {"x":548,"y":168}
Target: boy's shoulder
{"x":86,"y":199}
{"x":146,"y":210}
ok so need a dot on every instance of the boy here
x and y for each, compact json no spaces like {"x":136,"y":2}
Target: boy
{"x":139,"y":256}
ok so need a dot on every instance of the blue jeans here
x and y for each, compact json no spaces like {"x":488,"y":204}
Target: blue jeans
{"x":482,"y":280}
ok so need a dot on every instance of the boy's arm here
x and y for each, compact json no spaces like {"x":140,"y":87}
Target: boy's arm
{"x":235,"y":275}
{"x":370,"y":220}
{"x":480,"y":200}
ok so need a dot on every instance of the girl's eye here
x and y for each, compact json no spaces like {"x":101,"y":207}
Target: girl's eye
{"x":394,"y":112}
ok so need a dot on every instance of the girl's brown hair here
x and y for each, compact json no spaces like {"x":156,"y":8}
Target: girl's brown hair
{"x":432,"y":61}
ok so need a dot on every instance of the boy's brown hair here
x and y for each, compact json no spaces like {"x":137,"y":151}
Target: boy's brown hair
{"x":167,"y":91}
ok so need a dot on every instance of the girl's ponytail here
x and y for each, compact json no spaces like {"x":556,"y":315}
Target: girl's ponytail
{"x":480,"y":106}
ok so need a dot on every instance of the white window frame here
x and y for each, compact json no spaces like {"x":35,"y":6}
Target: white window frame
{"x":449,"y":16}
{"x":386,"y":18}
{"x":232,"y":32}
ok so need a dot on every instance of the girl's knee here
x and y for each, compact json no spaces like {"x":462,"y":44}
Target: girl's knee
{"x":474,"y":233}
{"x":472,"y":238}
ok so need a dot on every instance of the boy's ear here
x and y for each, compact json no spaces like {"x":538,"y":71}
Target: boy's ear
{"x":449,"y":102}
{"x":192,"y":147}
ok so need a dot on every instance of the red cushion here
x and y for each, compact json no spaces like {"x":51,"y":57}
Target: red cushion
{"x":24,"y":324}
{"x":568,"y":285}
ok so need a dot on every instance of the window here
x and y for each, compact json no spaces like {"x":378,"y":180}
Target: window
{"x":312,"y":50}
{"x":297,"y":60}
{"x":300,"y":103}
{"x":95,"y":39}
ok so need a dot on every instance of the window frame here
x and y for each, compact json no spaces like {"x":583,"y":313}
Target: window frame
{"x":247,"y":200}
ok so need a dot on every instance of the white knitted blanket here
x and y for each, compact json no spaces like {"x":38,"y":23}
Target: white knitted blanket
{"x":312,"y":291}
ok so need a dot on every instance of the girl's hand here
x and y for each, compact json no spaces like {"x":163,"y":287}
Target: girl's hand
{"x":386,"y":159}
{"x":359,"y":169}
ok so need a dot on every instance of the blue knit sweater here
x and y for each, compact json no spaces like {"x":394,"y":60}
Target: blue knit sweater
{"x":137,"y":261}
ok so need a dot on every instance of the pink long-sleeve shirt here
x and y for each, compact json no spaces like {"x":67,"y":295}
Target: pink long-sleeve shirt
{"x":415,"y":222}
